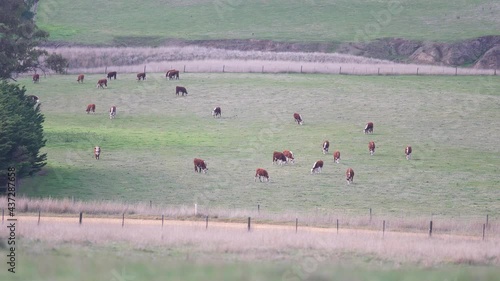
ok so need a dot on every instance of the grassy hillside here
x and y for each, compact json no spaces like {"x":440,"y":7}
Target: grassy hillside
{"x":147,"y":151}
{"x":150,"y":22}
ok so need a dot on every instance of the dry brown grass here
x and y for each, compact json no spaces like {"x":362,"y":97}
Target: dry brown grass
{"x":201,"y":59}
{"x":264,"y":241}
{"x":348,"y":219}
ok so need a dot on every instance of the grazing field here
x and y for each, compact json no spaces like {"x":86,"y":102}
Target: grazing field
{"x":147,"y":151}
{"x":151,"y":22}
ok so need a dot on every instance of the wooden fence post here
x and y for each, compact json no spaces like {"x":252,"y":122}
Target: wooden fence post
{"x":248,"y":223}
{"x":378,"y":71}
{"x":301,"y":69}
{"x":81,"y":217}
{"x":417,"y":71}
{"x":487,"y":217}
{"x":106,"y":70}
{"x":296,"y":224}
{"x":206,"y":225}
{"x":162,"y":220}
{"x":370,"y":214}
{"x":456,"y":71}
{"x":258,"y":208}
{"x":150,"y":204}
{"x":144,"y":69}
{"x":484,"y":230}
{"x":223,"y":66}
{"x":337,"y":226}
{"x":262,"y":69}
{"x":38,"y":223}
{"x":195,"y":209}
{"x":383,"y":229}
{"x":184,"y":68}
{"x":123,"y":219}
{"x":340,"y":70}
{"x":430,"y":229}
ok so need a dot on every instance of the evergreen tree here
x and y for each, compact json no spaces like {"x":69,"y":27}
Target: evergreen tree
{"x":21,"y":133}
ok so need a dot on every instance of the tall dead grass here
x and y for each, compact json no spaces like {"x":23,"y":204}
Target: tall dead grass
{"x":348,"y":219}
{"x":265,"y":242}
{"x":201,"y":59}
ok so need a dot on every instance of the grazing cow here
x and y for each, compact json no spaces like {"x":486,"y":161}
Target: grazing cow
{"x":97,"y":152}
{"x":112,"y":112}
{"x":173,"y":74}
{"x":141,"y":75}
{"x":289,"y":156}
{"x":90,"y":107}
{"x":369,"y":128}
{"x":279,"y":158}
{"x":349,"y":175}
{"x":317,"y":166}
{"x":80,"y":78}
{"x":200,"y":165}
{"x":336,"y":156}
{"x":326,"y":145}
{"x":111,"y":74}
{"x":36,"y":78}
{"x":216,"y":112}
{"x":168,"y":73}
{"x":408,"y":152}
{"x":298,"y":118}
{"x":101,"y":83}
{"x":371,"y":147}
{"x":181,"y":90}
{"x":261,"y":173}
{"x":33,"y":99}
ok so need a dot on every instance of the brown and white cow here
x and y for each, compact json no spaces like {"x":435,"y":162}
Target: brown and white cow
{"x":97,"y":152}
{"x":141,"y":75}
{"x":336,"y":156}
{"x":112,"y":112}
{"x":289,"y":156}
{"x":349,"y":175}
{"x":80,"y":78}
{"x":216,"y":112}
{"x":408,"y":152}
{"x":317,"y":166}
{"x":101,"y":83}
{"x":279,"y":158}
{"x":182,"y":90}
{"x":36,"y":78}
{"x":173,"y":74}
{"x":261,"y":173}
{"x":369,"y":128}
{"x":200,"y":165}
{"x":298,"y":118}
{"x":326,"y":146}
{"x":168,"y":72}
{"x":371,"y":147}
{"x":90,"y":107}
{"x":111,"y":74}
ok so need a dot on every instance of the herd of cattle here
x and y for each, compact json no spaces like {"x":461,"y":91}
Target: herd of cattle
{"x":279,"y":158}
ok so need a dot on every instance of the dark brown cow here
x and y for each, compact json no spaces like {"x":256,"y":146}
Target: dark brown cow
{"x":200,"y":165}
{"x":279,"y":158}
{"x":111,"y":74}
{"x":101,"y":83}
{"x":181,"y":90}
{"x":326,"y":146}
{"x":216,"y":112}
{"x":408,"y":152}
{"x":90,"y":107}
{"x":32,"y":98}
{"x":371,"y":147}
{"x":336,"y":156}
{"x":261,"y":173}
{"x":317,"y":166}
{"x":80,"y":78}
{"x":36,"y":78}
{"x":174,"y":74}
{"x":349,"y":175}
{"x":168,"y":72}
{"x":97,"y":152}
{"x":112,"y":112}
{"x":141,"y":75}
{"x":289,"y":156}
{"x":369,"y":128}
{"x":298,"y":118}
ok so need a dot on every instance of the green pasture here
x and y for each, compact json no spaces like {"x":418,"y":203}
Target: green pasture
{"x":147,"y":151}
{"x":128,"y":22}
{"x":43,"y":261}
